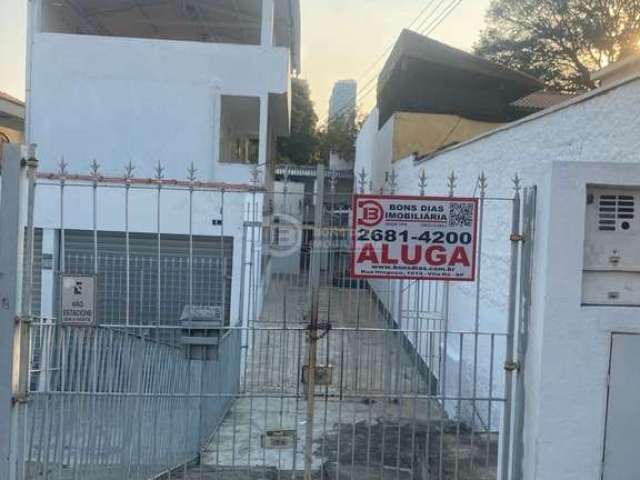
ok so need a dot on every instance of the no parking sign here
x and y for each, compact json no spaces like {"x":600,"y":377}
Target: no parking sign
{"x":415,"y":238}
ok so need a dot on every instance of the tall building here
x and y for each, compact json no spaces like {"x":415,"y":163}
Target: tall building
{"x":343,"y":98}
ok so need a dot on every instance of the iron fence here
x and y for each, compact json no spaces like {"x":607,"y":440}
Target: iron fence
{"x":313,"y":373}
{"x":125,"y":396}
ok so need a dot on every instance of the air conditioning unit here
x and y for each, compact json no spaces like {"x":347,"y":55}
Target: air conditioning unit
{"x":611,"y":272}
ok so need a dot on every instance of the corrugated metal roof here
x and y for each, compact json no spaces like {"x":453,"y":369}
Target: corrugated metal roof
{"x":9,"y":98}
{"x":541,"y":100}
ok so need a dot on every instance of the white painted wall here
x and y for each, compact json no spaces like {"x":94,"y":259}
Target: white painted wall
{"x":374,"y":149}
{"x":336,"y":162}
{"x":288,"y":207}
{"x":565,"y":393}
{"x":568,"y":358}
{"x":120,"y":99}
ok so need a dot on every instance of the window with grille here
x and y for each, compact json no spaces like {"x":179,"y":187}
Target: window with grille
{"x":160,"y":284}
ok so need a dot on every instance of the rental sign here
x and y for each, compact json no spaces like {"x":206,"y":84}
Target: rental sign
{"x":415,"y":238}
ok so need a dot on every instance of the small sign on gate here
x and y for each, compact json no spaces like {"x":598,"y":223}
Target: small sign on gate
{"x":323,"y":377}
{"x":414,"y":238}
{"x":278,"y":439}
{"x":78,"y":294}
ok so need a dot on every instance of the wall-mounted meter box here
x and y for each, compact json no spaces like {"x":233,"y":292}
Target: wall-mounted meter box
{"x":611,"y":274}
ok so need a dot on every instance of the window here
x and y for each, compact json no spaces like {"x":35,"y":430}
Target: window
{"x":239,"y":129}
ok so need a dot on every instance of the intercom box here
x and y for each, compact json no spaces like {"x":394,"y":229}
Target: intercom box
{"x":611,"y":273}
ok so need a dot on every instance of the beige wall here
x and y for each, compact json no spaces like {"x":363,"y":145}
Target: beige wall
{"x":426,"y":132}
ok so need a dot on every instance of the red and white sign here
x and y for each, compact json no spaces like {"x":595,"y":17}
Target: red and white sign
{"x":416,"y":238}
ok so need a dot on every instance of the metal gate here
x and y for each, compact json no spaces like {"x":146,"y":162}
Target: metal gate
{"x":295,"y":370}
{"x":347,"y":378}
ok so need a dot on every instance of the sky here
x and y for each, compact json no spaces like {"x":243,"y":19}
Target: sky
{"x":341,"y":39}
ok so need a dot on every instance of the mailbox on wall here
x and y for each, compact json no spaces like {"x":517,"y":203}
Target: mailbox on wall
{"x":611,"y":272}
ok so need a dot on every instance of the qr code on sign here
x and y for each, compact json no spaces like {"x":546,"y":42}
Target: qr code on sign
{"x":460,"y":214}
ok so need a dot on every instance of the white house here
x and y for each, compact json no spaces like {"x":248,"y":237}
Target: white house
{"x":178,"y":90}
{"x":568,"y":151}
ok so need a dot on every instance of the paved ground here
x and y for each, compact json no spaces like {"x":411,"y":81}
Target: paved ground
{"x":371,"y":422}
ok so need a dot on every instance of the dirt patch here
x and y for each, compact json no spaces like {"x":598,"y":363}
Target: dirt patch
{"x":409,"y":450}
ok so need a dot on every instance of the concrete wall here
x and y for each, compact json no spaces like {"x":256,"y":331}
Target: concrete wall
{"x":567,"y":364}
{"x":424,"y":133}
{"x":374,"y":150}
{"x":120,"y":99}
{"x":288,"y":208}
{"x":599,"y":127}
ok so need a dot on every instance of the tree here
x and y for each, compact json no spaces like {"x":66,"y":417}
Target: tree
{"x":560,"y":41}
{"x":339,"y":136}
{"x":302,"y":146}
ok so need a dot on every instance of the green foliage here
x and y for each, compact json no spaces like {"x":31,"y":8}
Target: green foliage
{"x":302,"y":147}
{"x":560,"y":41}
{"x":310,"y":144}
{"x":339,"y":136}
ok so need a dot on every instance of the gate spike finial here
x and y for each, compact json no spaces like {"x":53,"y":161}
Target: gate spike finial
{"x":62,"y":167}
{"x":159,"y":171}
{"x":393,"y":181}
{"x":333,"y":181}
{"x":191,"y":172}
{"x":422,"y":182}
{"x":285,"y":187}
{"x":128,"y":170}
{"x":385,"y":183}
{"x":94,"y":168}
{"x":516,"y":183}
{"x":255,"y":174}
{"x":451,"y":183}
{"x":482,"y":183}
{"x":362,"y":178}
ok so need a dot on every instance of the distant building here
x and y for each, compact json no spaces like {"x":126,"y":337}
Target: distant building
{"x":431,"y":96}
{"x":342,"y":104}
{"x":343,"y":98}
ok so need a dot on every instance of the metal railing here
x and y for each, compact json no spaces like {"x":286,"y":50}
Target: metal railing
{"x":114,"y":404}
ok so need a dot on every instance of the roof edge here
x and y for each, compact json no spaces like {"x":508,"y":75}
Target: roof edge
{"x":614,"y":67}
{"x":11,"y":99}
{"x":407,"y":35}
{"x":531,"y":118}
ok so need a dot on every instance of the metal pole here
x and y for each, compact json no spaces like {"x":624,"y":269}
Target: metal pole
{"x":316,"y":257}
{"x":12,"y":231}
{"x":510,"y":371}
{"x":528,"y":231}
